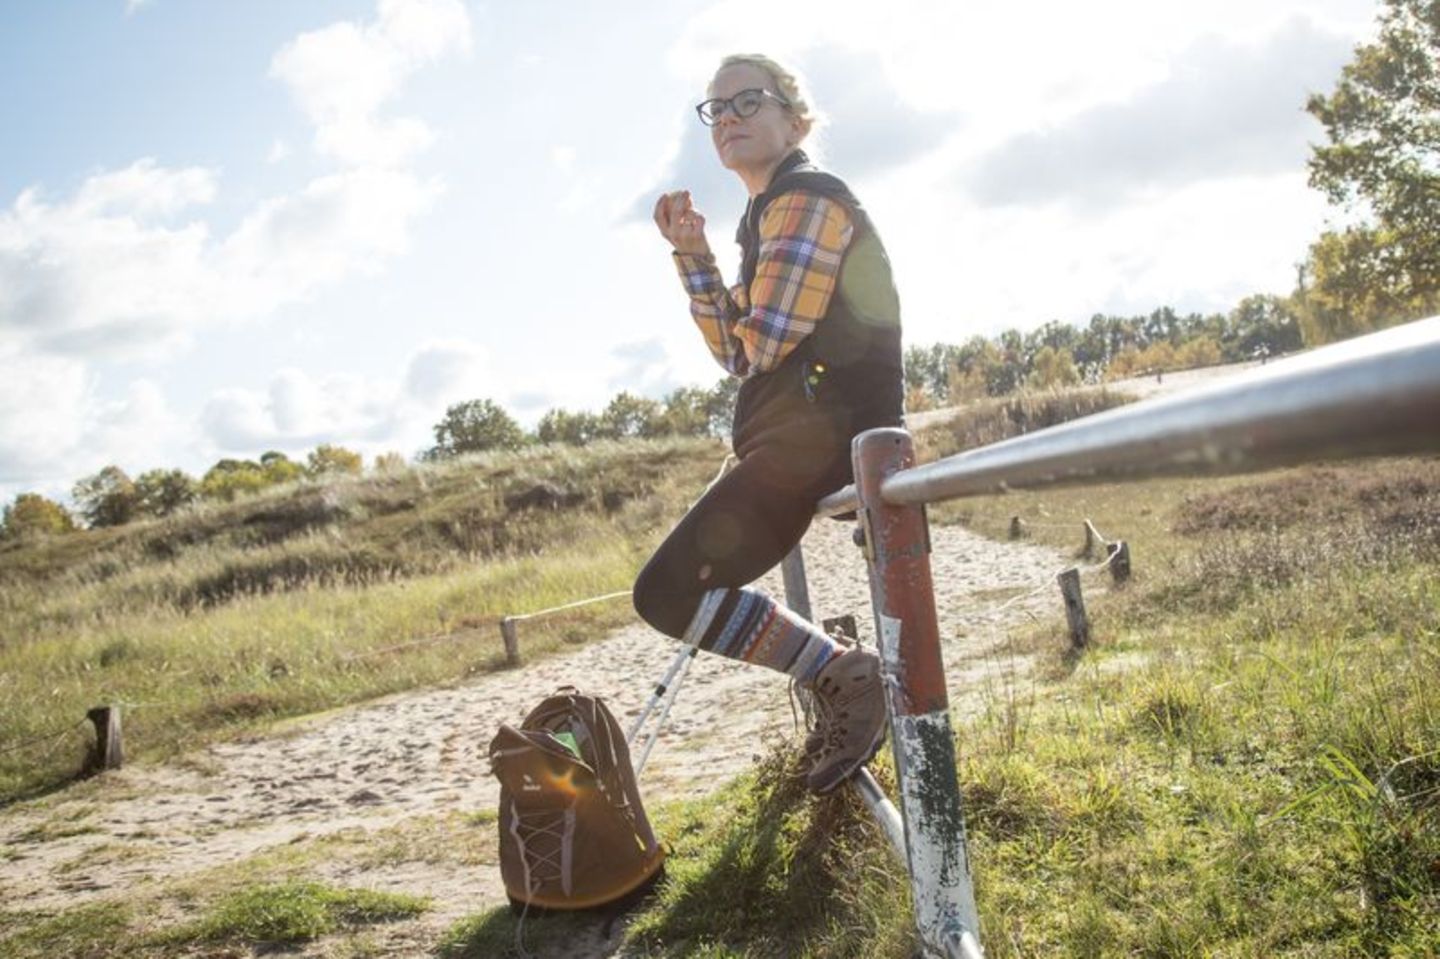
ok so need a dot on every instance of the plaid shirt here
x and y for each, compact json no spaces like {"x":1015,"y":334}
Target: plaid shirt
{"x":802,"y":241}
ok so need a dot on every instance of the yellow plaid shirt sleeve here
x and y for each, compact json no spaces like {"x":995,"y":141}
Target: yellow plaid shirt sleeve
{"x":803,"y":238}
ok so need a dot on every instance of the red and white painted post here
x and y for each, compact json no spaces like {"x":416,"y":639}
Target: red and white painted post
{"x":897,"y":547}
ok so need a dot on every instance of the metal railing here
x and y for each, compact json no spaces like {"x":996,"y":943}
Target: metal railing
{"x":1373,"y":395}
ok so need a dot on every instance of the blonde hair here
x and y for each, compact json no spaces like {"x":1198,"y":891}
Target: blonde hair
{"x":788,"y":83}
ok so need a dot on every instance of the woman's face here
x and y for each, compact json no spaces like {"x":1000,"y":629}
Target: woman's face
{"x":756,"y":143}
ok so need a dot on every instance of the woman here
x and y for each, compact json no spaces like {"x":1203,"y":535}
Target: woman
{"x":813,"y":329}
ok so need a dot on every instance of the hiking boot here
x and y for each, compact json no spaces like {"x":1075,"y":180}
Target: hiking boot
{"x":851,"y":718}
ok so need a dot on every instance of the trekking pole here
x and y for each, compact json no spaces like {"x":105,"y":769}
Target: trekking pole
{"x":671,"y":695}
{"x":679,"y":668}
{"x":669,"y":684}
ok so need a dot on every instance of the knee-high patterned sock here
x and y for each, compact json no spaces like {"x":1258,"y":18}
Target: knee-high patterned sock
{"x":750,"y":626}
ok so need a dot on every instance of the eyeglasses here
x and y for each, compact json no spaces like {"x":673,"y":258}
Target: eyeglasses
{"x":746,"y":103}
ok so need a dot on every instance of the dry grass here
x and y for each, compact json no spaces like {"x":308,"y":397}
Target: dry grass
{"x":306,"y":598}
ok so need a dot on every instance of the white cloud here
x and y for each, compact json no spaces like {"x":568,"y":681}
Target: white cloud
{"x":128,"y":267}
{"x":297,"y":410}
{"x":343,"y":74}
{"x":145,"y":190}
{"x":99,"y":275}
{"x":448,"y":371}
{"x":133,"y":7}
{"x":46,"y":447}
{"x":104,"y":276}
{"x":563,"y":157}
{"x":37,"y":438}
{"x":140,"y":431}
{"x":279,"y":151}
{"x":336,"y":225}
{"x":643,"y":367}
{"x":1225,"y":109}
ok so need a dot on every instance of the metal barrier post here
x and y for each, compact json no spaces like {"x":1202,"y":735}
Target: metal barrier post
{"x":797,"y":591}
{"x":897,"y":545}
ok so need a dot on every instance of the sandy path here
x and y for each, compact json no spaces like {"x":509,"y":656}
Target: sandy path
{"x":420,"y":753}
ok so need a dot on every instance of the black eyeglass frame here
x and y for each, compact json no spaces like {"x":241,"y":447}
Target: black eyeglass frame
{"x":719,"y":105}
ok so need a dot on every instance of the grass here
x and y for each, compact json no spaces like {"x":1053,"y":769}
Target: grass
{"x":275,"y":901}
{"x":1237,"y":767}
{"x":1225,"y":796}
{"x":293,"y":912}
{"x":1245,"y":762}
{"x":263,"y":915}
{"x":761,"y":869}
{"x":992,"y":420}
{"x":274,"y":607}
{"x":87,"y":932}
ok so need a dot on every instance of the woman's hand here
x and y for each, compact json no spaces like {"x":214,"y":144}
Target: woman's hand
{"x":681,"y":223}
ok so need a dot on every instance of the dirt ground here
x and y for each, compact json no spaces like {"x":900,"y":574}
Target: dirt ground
{"x":370,"y":768}
{"x":364,"y":772}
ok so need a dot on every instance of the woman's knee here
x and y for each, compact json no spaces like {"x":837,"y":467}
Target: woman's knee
{"x":660,"y":605}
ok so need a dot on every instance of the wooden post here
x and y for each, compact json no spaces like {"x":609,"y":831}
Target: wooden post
{"x":1092,"y":539}
{"x":109,"y":750}
{"x":1120,"y":564}
{"x":1017,"y":528}
{"x":1074,"y":607}
{"x":512,"y":640}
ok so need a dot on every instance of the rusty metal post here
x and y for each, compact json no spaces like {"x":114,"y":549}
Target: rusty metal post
{"x":897,"y":546}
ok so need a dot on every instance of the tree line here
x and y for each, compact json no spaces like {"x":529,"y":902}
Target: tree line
{"x":1381,"y":163}
{"x":1055,"y":355}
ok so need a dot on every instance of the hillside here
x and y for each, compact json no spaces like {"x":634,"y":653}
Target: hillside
{"x":1268,"y":664}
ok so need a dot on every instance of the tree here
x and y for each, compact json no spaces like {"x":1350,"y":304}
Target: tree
{"x":107,"y":498}
{"x":1053,"y":368}
{"x":391,"y":462}
{"x":161,"y":492}
{"x":720,"y":405}
{"x":1201,"y":351}
{"x":628,"y":415}
{"x":473,"y":427}
{"x":1258,"y":327}
{"x":230,"y":478}
{"x":562,"y":426}
{"x":1158,"y":356}
{"x":328,"y":458}
{"x":33,"y":515}
{"x":1383,"y":159}
{"x":280,"y":468}
{"x":1123,"y":364}
{"x":686,"y":412}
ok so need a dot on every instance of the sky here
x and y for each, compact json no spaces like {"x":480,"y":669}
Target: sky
{"x":227,"y":228}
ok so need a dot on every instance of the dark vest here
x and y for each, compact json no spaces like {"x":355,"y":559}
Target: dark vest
{"x":847,"y":375}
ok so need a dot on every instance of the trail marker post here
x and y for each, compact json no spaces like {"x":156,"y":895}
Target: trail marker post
{"x":1119,"y":554}
{"x":1069,"y":582}
{"x":109,"y":748}
{"x":511,"y":636}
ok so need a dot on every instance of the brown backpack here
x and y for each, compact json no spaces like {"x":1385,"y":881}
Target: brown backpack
{"x":573,"y":832}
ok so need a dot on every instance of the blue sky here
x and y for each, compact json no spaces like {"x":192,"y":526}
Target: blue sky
{"x":227,"y":228}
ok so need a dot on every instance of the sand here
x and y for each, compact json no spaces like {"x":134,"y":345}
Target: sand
{"x":379,"y":764}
